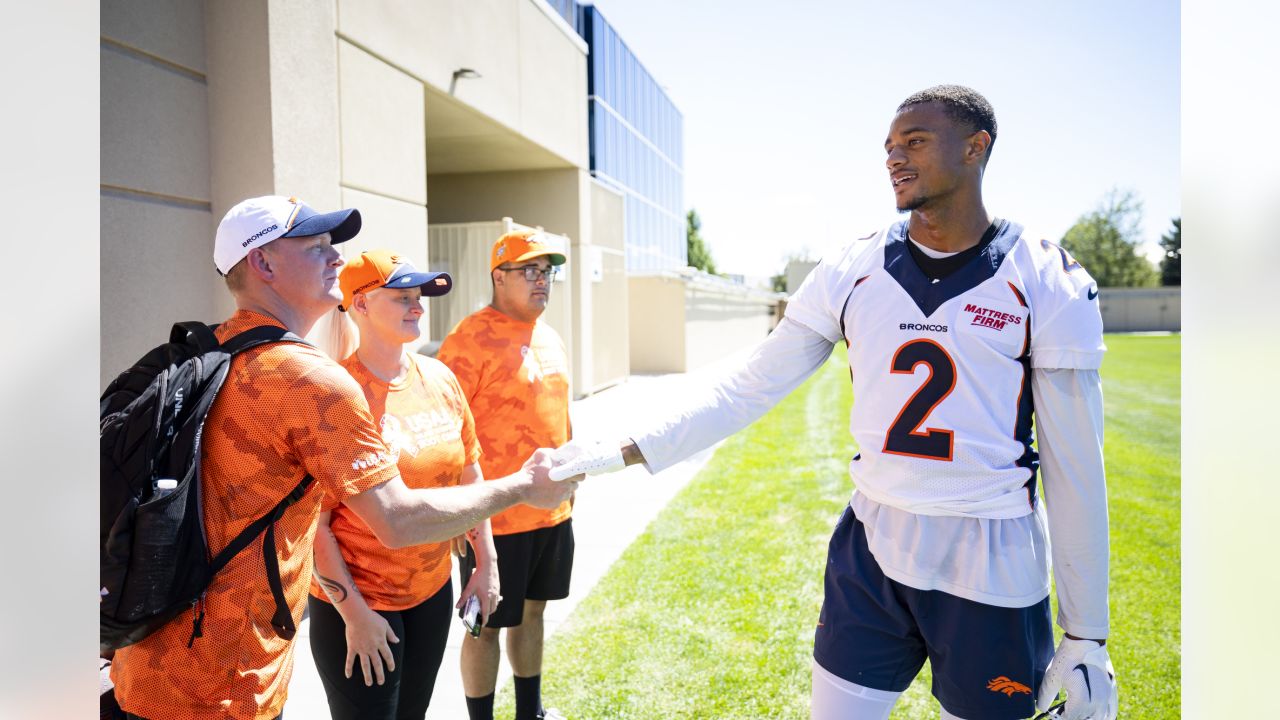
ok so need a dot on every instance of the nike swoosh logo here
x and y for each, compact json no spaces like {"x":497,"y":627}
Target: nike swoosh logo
{"x":1093,"y":292}
{"x":1088,"y":686}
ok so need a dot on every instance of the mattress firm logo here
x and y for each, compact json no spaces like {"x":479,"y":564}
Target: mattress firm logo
{"x":259,"y":234}
{"x":988,"y":318}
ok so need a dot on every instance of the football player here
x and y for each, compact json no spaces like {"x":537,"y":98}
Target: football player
{"x":960,"y":327}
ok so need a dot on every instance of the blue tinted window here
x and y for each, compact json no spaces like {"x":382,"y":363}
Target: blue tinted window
{"x":636,"y":137}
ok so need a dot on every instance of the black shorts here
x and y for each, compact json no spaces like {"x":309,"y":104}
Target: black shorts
{"x":533,"y":565}
{"x":987,"y":661}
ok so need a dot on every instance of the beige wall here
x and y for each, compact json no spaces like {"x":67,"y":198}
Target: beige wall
{"x":656,"y":311}
{"x":680,"y":323}
{"x":382,"y":141}
{"x":603,"y":265}
{"x":550,"y":199}
{"x":207,"y":103}
{"x":156,"y":260}
{"x":1141,"y":309}
{"x":273,"y":103}
{"x":721,"y":323}
{"x":241,"y":145}
{"x":383,"y":128}
{"x":796,"y":272}
{"x":304,"y":100}
{"x":203,"y":105}
{"x":533,"y":70}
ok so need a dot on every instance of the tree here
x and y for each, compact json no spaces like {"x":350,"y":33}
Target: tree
{"x":699,"y":254}
{"x":1105,"y":242}
{"x":779,"y":282}
{"x":1171,"y":263}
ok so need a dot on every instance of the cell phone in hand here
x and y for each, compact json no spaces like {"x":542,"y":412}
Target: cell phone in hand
{"x":471,"y":616}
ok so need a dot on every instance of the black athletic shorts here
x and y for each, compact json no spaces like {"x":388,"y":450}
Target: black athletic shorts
{"x":987,"y":661}
{"x":533,"y":565}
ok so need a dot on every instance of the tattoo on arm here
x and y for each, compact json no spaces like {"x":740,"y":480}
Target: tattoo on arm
{"x":336,"y":591}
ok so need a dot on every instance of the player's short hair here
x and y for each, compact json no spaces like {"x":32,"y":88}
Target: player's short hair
{"x":235,"y":277}
{"x":961,"y":104}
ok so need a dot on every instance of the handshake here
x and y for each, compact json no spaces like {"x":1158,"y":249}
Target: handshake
{"x":556,"y":473}
{"x":583,"y":457}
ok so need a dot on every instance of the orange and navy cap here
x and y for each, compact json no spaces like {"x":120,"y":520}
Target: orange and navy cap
{"x":517,"y":247}
{"x":381,"y":268}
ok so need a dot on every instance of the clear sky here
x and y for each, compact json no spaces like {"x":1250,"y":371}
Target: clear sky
{"x":786,"y":106}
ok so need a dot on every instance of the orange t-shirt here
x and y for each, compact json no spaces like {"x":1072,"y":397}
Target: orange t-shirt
{"x":425,"y":419}
{"x":285,"y":410}
{"x":516,"y":379}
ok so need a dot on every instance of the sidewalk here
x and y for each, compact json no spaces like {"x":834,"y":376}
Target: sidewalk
{"x":609,"y":513}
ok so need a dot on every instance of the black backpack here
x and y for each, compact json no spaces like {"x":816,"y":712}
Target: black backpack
{"x":155,"y":559}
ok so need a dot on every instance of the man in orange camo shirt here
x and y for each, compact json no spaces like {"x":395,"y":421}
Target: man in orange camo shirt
{"x":286,"y":410}
{"x":514,"y":371}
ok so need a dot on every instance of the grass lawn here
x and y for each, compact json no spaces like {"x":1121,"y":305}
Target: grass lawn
{"x":711,"y":612}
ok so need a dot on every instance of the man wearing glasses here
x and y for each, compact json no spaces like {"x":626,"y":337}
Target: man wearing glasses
{"x":514,"y":372}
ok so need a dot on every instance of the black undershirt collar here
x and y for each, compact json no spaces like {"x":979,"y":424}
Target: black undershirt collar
{"x":937,"y":268}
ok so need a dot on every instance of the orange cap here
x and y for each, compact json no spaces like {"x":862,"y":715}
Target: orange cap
{"x":517,"y":247}
{"x":381,"y":268}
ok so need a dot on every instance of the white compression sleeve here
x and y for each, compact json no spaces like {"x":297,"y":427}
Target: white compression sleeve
{"x":786,"y":358}
{"x":834,"y":698}
{"x":1068,"y":410}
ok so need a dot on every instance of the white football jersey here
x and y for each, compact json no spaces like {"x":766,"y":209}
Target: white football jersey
{"x":941,"y":371}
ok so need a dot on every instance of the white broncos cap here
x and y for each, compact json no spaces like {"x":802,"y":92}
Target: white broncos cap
{"x":257,"y":221}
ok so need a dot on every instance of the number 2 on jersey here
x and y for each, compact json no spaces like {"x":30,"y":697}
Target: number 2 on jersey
{"x":904,"y":436}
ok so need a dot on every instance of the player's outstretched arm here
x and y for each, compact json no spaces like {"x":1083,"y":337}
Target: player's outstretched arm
{"x":778,"y":365}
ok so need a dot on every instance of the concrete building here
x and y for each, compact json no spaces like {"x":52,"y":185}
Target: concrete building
{"x":444,"y":122}
{"x":419,"y":113}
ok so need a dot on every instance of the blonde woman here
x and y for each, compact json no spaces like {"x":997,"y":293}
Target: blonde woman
{"x":379,"y":616}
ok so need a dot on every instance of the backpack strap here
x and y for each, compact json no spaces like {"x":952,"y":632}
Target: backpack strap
{"x":198,"y":333}
{"x":282,"y":618}
{"x":260,"y":335}
{"x":282,"y":621}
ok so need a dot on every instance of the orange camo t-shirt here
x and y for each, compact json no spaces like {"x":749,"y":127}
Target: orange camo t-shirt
{"x":285,"y":410}
{"x":516,"y":378}
{"x":424,"y":418}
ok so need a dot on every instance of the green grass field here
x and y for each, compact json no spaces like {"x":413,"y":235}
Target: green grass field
{"x":710,"y":613}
